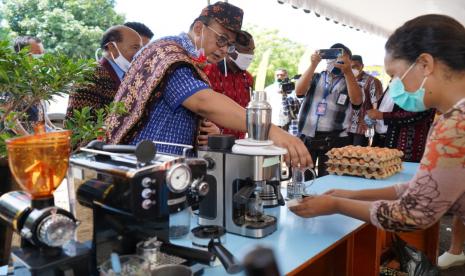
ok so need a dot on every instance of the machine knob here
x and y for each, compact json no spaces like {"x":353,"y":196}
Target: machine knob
{"x":147,"y":204}
{"x":203,"y":188}
{"x":210,"y":163}
{"x":147,"y":193}
{"x":56,"y":229}
{"x":200,"y":187}
{"x":147,"y":182}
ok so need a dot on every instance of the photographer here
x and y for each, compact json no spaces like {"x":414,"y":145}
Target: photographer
{"x":274,"y":96}
{"x":330,"y":97}
{"x":290,"y":107}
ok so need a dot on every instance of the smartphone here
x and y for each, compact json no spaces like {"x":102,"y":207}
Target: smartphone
{"x":333,"y":53}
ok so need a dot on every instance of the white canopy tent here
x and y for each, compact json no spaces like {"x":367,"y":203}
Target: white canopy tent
{"x":377,"y":16}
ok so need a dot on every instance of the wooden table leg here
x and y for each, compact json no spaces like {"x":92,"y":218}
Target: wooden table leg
{"x":367,"y":251}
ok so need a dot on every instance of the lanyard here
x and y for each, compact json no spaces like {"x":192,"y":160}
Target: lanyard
{"x":327,"y":90}
{"x":329,"y":87}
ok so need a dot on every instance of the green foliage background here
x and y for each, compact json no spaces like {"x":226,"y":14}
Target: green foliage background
{"x":72,"y":27}
{"x":286,"y":53}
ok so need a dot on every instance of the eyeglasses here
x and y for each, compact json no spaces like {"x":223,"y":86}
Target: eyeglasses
{"x":222,"y":41}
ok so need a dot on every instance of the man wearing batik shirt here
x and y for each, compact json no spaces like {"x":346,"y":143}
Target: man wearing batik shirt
{"x":372,"y":90}
{"x":119,"y":45}
{"x":232,"y":79}
{"x":166,"y":92}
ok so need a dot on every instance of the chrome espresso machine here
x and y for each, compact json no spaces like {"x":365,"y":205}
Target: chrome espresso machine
{"x":244,"y":176}
{"x":133,"y":195}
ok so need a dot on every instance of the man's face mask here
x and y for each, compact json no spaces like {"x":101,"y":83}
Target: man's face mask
{"x":121,"y":61}
{"x":410,"y":101}
{"x":243,"y":61}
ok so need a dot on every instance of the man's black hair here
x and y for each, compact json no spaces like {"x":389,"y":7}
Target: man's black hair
{"x":140,"y":28}
{"x":24,"y":41}
{"x":243,"y":38}
{"x":346,"y":49}
{"x":204,"y":19}
{"x":357,"y":58}
{"x":112,"y":34}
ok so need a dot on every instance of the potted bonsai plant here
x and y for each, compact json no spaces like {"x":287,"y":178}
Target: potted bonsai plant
{"x":26,"y":81}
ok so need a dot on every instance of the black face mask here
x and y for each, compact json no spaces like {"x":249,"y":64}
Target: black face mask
{"x":336,"y":71}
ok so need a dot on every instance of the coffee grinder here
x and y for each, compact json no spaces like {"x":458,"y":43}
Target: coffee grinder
{"x":39,"y":163}
{"x":132,"y":191}
{"x":243,"y":176}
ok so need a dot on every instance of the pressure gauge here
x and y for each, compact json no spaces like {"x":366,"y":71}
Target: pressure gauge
{"x":178,"y":178}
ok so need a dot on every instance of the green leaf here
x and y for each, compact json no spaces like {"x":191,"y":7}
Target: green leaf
{"x":73,"y":27}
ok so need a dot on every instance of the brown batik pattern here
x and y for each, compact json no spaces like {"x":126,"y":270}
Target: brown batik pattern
{"x":418,"y":207}
{"x":97,"y":93}
{"x":437,"y":185}
{"x":143,"y":85}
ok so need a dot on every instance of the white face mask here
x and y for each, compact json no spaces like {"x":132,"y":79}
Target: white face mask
{"x":121,"y":61}
{"x":243,"y":61}
{"x":356,"y":72}
{"x":97,"y":59}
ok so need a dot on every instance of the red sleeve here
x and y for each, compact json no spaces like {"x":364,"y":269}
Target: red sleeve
{"x":213,"y":76}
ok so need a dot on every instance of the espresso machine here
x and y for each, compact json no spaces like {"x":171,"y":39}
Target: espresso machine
{"x":39,"y":163}
{"x":244,"y":176}
{"x":132,"y":191}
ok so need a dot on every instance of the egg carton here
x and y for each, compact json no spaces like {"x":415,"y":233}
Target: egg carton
{"x":368,"y":154}
{"x":370,"y":173}
{"x":358,"y":162}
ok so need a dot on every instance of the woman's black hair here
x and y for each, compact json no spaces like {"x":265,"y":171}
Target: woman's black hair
{"x":440,"y":36}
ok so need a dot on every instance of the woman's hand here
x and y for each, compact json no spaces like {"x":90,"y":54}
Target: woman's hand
{"x":314,"y":206}
{"x":342,"y":193}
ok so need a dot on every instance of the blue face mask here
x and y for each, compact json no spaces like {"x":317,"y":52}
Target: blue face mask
{"x":410,"y":101}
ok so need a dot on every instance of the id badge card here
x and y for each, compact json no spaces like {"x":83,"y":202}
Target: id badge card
{"x":321,"y":109}
{"x":342,"y":99}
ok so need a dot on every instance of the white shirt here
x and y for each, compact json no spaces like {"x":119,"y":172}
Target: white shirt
{"x":275,"y":99}
{"x":387,"y":105}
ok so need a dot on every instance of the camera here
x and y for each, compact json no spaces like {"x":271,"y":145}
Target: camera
{"x":287,"y":85}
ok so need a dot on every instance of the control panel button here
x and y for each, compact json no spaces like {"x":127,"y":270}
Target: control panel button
{"x":147,"y":193}
{"x":147,"y":182}
{"x":147,"y":204}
